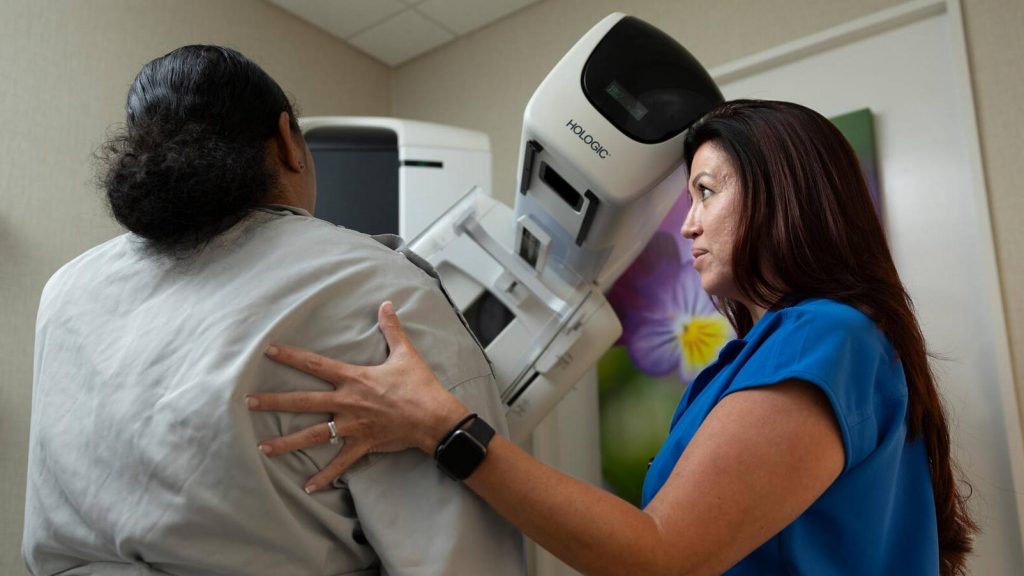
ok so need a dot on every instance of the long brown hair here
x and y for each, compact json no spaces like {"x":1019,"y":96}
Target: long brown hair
{"x":808,"y":228}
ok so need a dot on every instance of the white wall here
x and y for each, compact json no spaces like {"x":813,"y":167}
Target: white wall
{"x":65,"y":68}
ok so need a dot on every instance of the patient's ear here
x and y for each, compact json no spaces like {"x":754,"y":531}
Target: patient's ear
{"x":289,"y":151}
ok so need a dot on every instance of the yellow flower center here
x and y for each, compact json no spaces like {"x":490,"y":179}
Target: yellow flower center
{"x":701,"y":338}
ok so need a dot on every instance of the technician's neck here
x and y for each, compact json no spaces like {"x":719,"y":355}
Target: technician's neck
{"x":756,"y":312}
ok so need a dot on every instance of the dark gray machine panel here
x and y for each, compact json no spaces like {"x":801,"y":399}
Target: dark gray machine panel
{"x":357,"y":177}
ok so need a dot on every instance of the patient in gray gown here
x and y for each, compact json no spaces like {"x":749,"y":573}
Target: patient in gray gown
{"x":142,"y":455}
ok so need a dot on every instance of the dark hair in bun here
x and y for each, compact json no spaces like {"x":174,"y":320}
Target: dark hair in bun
{"x":190,"y":163}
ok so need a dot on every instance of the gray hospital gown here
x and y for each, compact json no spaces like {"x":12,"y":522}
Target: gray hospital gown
{"x":143,"y":456}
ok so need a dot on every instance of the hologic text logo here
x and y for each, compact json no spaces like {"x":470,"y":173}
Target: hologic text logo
{"x":587,"y":139}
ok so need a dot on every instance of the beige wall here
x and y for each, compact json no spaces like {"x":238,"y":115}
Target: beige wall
{"x":65,"y":68}
{"x":995,"y":50}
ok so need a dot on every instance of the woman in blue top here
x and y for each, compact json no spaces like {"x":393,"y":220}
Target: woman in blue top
{"x":815,"y":444}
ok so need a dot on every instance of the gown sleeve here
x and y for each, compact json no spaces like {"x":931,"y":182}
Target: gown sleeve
{"x":842,"y":352}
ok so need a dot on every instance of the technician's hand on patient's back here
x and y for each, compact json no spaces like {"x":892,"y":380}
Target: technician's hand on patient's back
{"x":376,"y":408}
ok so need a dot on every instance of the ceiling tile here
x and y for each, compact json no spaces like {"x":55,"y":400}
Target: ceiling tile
{"x":401,"y":37}
{"x":462,"y":16}
{"x":343,"y":18}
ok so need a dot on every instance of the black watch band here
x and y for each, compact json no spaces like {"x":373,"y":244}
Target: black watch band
{"x":464,"y":447}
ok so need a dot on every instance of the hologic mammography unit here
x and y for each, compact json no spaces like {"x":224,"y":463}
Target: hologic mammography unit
{"x":600,"y":165}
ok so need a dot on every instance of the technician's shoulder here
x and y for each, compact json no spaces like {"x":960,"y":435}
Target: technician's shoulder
{"x":821,"y":341}
{"x":828,"y":319}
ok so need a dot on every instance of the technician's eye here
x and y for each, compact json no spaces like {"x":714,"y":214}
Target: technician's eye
{"x":703,"y":192}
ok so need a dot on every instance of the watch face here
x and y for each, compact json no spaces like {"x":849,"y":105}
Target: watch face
{"x":460,"y":455}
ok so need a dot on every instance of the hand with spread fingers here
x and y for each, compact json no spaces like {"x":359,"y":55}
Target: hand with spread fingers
{"x":397,"y":405}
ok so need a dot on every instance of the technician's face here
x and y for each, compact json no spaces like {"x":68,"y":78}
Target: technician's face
{"x":712,"y":221}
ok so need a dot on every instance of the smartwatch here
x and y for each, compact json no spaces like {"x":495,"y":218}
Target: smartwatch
{"x":464,"y":447}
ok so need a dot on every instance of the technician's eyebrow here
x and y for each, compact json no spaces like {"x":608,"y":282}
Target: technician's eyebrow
{"x":693,"y":181}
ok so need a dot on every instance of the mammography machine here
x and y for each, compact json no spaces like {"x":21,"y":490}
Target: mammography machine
{"x":600,"y":165}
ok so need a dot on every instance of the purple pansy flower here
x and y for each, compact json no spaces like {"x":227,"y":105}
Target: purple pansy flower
{"x":669,"y":323}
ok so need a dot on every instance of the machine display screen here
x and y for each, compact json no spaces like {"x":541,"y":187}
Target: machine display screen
{"x":630,"y":103}
{"x":356,"y":177}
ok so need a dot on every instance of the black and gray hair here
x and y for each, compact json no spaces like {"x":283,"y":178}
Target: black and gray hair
{"x":191,"y":160}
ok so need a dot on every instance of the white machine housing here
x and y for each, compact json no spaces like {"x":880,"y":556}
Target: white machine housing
{"x":601,"y":150}
{"x":541,"y":338}
{"x":389,"y":175}
{"x":600,"y":165}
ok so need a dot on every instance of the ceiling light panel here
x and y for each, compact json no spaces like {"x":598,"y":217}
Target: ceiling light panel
{"x":462,"y":16}
{"x":343,"y":18}
{"x":401,"y":38}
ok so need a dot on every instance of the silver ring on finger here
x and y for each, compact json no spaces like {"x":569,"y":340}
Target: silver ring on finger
{"x":334,"y":432}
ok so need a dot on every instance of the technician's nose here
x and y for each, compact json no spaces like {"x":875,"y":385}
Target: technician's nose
{"x":691,"y":226}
